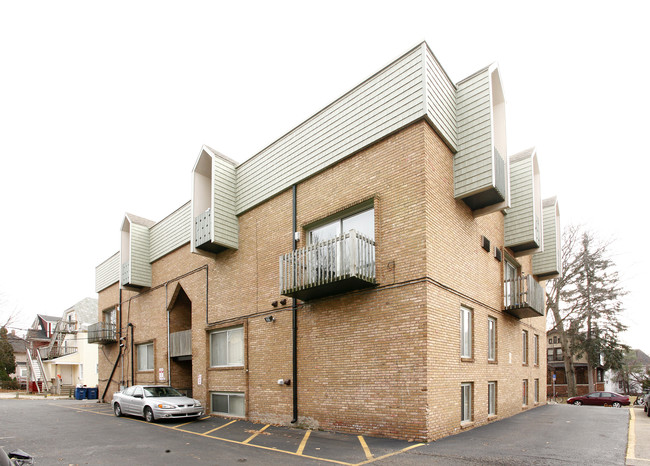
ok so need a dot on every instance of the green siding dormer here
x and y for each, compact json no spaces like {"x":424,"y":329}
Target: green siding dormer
{"x":134,"y":252}
{"x":523,"y":221}
{"x":548,"y":263}
{"x":215,"y":226}
{"x":481,"y":166}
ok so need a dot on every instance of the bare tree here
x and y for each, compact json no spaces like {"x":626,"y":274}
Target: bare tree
{"x":8,"y":312}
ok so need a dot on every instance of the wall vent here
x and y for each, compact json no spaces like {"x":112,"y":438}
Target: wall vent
{"x":485,"y":243}
{"x":497,"y":253}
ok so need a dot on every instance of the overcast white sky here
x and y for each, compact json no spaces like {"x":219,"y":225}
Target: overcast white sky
{"x":104,"y":108}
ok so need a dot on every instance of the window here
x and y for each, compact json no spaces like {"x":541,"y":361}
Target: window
{"x":330,"y":251}
{"x":109,"y":316}
{"x":492,"y":398}
{"x":228,"y":403}
{"x":362,"y":222}
{"x":465,"y":402}
{"x":511,"y":272}
{"x":465,"y":332}
{"x":549,"y":354}
{"x":524,"y":347}
{"x":536,"y":350}
{"x":145,"y":357}
{"x":536,"y":395}
{"x":600,"y":375}
{"x":492,"y":339}
{"x":525,"y":392}
{"x":550,"y":341}
{"x":227,"y":347}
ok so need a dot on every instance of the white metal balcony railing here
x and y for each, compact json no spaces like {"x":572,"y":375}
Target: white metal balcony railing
{"x":523,"y":297}
{"x":337,"y":265}
{"x":180,"y":343}
{"x":125,"y":277}
{"x":102,"y":332}
{"x":57,"y":351}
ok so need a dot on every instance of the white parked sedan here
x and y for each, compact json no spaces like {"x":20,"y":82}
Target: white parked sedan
{"x":155,"y":402}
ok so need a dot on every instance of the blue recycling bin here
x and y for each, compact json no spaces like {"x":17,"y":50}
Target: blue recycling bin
{"x":91,"y":393}
{"x":79,"y":393}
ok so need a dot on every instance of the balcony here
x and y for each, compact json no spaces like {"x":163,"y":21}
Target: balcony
{"x":102,"y":333}
{"x":60,"y":351}
{"x":338,"y":265}
{"x":180,"y":344}
{"x":523,"y":297}
{"x":126,"y":274}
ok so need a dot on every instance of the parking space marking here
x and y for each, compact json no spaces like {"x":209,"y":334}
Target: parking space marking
{"x":364,"y":445}
{"x":303,"y":443}
{"x":217,"y":428}
{"x":299,"y":452}
{"x":181,"y":425}
{"x":631,"y":437}
{"x":372,"y":460}
{"x":256,"y":434}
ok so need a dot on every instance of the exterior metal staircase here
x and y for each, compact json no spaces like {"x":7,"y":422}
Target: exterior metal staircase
{"x":37,"y":380}
{"x":62,"y":329}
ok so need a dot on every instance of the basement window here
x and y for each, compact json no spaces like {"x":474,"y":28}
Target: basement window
{"x":228,"y":403}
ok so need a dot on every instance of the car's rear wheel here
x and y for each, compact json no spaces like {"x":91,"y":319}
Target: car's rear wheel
{"x":577,"y":402}
{"x":148,"y":414}
{"x":117,"y":409}
{"x":616,"y":404}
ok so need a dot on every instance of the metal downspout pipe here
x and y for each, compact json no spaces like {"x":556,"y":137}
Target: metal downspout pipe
{"x":294,"y":321}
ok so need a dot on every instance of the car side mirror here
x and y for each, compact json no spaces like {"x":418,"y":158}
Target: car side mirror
{"x":138,"y":395}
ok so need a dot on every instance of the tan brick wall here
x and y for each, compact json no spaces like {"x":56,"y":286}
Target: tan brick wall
{"x":383,"y":361}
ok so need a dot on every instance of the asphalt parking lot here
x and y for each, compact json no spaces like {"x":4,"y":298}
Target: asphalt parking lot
{"x":84,"y":432}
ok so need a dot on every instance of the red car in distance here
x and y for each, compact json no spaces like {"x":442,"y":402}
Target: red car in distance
{"x":600,"y":399}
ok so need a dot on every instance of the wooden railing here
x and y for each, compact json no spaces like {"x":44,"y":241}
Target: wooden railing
{"x":347,"y":255}
{"x":523,"y":296}
{"x":180,"y":343}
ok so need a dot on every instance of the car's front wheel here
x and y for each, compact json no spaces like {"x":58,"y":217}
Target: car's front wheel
{"x":616,"y":404}
{"x":577,"y":402}
{"x":148,"y":414}
{"x":117,"y":409}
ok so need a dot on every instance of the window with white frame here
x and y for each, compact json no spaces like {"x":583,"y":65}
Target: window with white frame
{"x":492,"y":339}
{"x":492,"y":398}
{"x":228,"y":403}
{"x":465,"y":402}
{"x":536,"y":391}
{"x":227,"y":347}
{"x":524,"y":346}
{"x":524,"y":400}
{"x":536,"y":349}
{"x":362,"y":222}
{"x":465,"y":332}
{"x":145,"y":356}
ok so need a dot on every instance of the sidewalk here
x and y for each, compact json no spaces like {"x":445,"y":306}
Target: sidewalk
{"x":22,"y":395}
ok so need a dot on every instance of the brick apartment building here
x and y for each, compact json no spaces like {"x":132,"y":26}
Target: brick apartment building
{"x":375,"y":270}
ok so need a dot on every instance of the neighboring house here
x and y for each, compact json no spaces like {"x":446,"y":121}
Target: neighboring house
{"x":615,"y":381}
{"x":60,"y":352}
{"x":19,"y":346}
{"x":555,"y":365}
{"x":379,"y":269}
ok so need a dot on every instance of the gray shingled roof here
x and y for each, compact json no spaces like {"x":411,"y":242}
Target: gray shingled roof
{"x":86,"y":311}
{"x":17,"y":343}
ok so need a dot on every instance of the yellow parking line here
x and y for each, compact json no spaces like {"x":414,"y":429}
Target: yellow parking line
{"x":220,"y":427}
{"x":364,"y":445}
{"x":631,"y":437}
{"x":181,"y":425}
{"x":303,"y":443}
{"x":256,"y":434}
{"x":372,"y":460}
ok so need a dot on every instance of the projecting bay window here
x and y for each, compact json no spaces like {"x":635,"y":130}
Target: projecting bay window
{"x":339,"y":257}
{"x":227,"y":347}
{"x":145,"y":356}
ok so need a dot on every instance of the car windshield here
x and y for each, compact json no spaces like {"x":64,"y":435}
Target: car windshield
{"x":160,"y":391}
